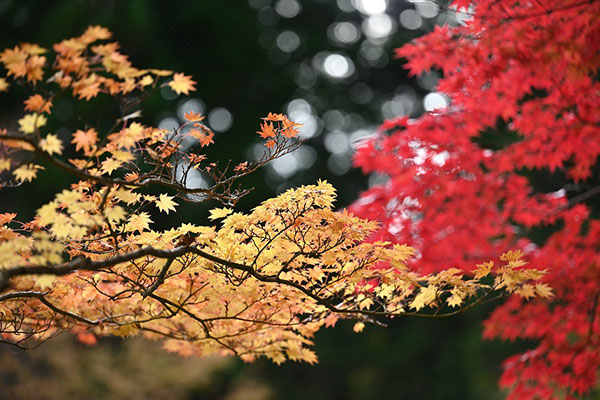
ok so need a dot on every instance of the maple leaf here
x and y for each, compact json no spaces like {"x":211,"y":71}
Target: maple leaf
{"x":241,"y":167}
{"x":85,"y":140}
{"x":425,"y":297}
{"x":95,"y":32}
{"x":217,"y":213}
{"x":543,"y":290}
{"x":38,"y":104}
{"x":51,"y":144}
{"x":3,"y":85}
{"x":115,"y":214}
{"x":205,"y":137}
{"x":274,"y":117}
{"x":182,"y":84}
{"x":138,"y":222}
{"x":30,"y":122}
{"x":193,"y":116}
{"x":131,"y":176}
{"x":44,"y":281}
{"x":165,"y":203}
{"x":26,"y":172}
{"x":109,"y":165}
{"x":266,"y":130}
{"x":456,"y":299}
{"x":6,"y":218}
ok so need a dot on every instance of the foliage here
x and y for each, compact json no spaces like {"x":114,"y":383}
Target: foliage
{"x":522,"y":78}
{"x":257,"y":284}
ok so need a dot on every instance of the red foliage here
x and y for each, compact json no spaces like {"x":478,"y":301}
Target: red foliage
{"x":530,"y":68}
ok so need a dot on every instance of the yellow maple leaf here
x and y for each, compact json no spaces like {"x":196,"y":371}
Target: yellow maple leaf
{"x":526,"y":291}
{"x":138,"y":222}
{"x":51,"y":144}
{"x":512,"y":255}
{"x":3,"y":85}
{"x":109,"y":165}
{"x":456,"y":299}
{"x":165,"y":203}
{"x":127,"y":196}
{"x":30,"y":122}
{"x":4,"y":164}
{"x":26,"y":172}
{"x":182,"y":83}
{"x":217,"y":213}
{"x":543,"y":290}
{"x":44,"y":281}
{"x":483,"y":270}
{"x":424,"y":298}
{"x":115,"y":213}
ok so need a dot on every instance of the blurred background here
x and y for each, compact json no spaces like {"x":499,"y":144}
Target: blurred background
{"x":329,"y":65}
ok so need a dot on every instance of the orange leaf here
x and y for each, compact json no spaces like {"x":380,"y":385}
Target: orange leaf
{"x":38,"y":104}
{"x":85,"y":140}
{"x":266,"y":130}
{"x":274,"y":117}
{"x":6,"y":218}
{"x":193,"y":116}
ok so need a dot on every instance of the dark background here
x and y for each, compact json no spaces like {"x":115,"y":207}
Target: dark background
{"x":246,"y":61}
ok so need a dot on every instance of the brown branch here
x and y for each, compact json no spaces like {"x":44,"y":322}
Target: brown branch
{"x":159,"y":279}
{"x":84,"y":264}
{"x":222,"y":183}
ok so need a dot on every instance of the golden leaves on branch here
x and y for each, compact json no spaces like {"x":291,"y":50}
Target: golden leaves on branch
{"x":252,"y":278}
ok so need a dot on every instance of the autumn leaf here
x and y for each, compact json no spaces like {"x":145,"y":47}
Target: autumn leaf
{"x":3,"y":85}
{"x":37,"y":103}
{"x":425,"y":297}
{"x":30,"y":122}
{"x":358,"y":327}
{"x":44,"y":281}
{"x":266,"y":130}
{"x":138,"y":222}
{"x":6,"y":218}
{"x":115,"y":214}
{"x":51,"y":144}
{"x":165,"y":203}
{"x":182,"y":84}
{"x":27,"y":172}
{"x":109,"y":165}
{"x":85,"y":140}
{"x":217,"y":213}
{"x":543,"y":290}
{"x":274,"y":117}
{"x":193,"y":116}
{"x":241,"y":167}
